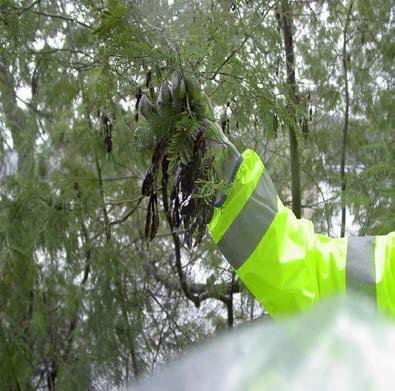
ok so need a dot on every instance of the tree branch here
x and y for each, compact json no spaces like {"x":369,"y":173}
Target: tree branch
{"x":127,"y":214}
{"x":62,"y":17}
{"x":200,"y":290}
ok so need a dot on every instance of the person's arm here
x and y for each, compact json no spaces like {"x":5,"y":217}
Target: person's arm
{"x":285,"y":265}
{"x":280,"y":259}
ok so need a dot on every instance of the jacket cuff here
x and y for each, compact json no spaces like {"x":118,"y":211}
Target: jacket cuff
{"x":230,"y":165}
{"x":246,"y":177}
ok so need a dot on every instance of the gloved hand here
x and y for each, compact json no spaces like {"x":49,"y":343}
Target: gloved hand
{"x":180,"y":94}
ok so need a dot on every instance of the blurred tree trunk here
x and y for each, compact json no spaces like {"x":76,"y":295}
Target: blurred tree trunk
{"x":345,"y":61}
{"x":285,"y":18}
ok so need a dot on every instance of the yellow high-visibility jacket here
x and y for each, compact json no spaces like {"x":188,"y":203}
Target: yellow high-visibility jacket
{"x":280,"y":259}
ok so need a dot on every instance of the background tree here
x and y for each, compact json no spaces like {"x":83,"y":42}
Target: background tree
{"x":85,"y":302}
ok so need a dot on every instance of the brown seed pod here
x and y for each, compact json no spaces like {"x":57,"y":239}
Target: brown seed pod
{"x":148,"y":221}
{"x":148,"y":78}
{"x":176,"y":212}
{"x":146,"y":108}
{"x":108,"y":143}
{"x":148,"y":182}
{"x":178,"y":91}
{"x":201,"y":230}
{"x":164,"y":101}
{"x":155,"y":217}
{"x":189,"y":168}
{"x":139,"y":95}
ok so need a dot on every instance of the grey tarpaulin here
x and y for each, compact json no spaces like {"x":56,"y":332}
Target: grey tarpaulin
{"x":339,"y":345}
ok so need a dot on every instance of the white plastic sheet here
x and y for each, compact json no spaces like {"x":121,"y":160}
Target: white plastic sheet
{"x":339,"y":345}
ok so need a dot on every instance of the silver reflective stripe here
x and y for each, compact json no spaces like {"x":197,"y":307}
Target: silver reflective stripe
{"x":246,"y":231}
{"x":360,"y":269}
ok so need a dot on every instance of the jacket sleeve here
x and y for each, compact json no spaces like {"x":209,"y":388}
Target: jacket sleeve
{"x":280,"y":259}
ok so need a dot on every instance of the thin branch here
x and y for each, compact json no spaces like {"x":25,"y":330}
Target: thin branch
{"x":120,"y":178}
{"x":234,"y":51}
{"x":34,"y":109}
{"x":229,"y":57}
{"x":229,"y":304}
{"x":107,"y":224}
{"x":62,"y":17}
{"x":121,"y":202}
{"x":125,"y":217}
{"x":202,"y":291}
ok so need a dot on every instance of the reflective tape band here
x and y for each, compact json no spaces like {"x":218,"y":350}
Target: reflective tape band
{"x":384,"y":260}
{"x":248,"y":228}
{"x":360,"y":267}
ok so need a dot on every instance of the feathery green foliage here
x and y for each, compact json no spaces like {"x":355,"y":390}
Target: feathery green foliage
{"x":84,"y":302}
